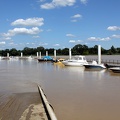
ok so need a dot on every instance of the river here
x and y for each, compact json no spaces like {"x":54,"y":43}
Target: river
{"x":74,"y":92}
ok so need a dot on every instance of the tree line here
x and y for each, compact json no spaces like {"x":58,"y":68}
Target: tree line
{"x":76,"y":50}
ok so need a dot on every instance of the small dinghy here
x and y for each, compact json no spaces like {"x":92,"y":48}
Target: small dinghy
{"x":115,"y":69}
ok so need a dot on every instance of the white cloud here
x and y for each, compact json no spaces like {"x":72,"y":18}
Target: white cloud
{"x":99,"y":39}
{"x":73,"y":20}
{"x":113,"y":28}
{"x":83,"y":1}
{"x":70,"y":35}
{"x":72,"y":41}
{"x":75,"y":41}
{"x":8,"y":38}
{"x":48,"y":6}
{"x":2,"y":43}
{"x":79,"y":41}
{"x":116,"y":36}
{"x":56,"y":45}
{"x":77,"y":16}
{"x":5,"y":38}
{"x":58,"y":3}
{"x":15,"y":31}
{"x":29,"y":22}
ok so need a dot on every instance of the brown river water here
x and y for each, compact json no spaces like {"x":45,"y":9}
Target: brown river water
{"x":74,"y":92}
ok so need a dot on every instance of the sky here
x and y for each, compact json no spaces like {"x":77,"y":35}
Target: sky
{"x":59,"y":23}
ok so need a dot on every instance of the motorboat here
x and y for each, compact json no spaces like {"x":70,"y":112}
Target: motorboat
{"x":115,"y":69}
{"x":57,"y":61}
{"x":94,"y":65}
{"x":111,"y":65}
{"x":78,"y":60}
{"x":45,"y":59}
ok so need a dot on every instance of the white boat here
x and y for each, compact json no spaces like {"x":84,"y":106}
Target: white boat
{"x":115,"y":69}
{"x":30,"y":58}
{"x":94,"y":65}
{"x":75,"y":61}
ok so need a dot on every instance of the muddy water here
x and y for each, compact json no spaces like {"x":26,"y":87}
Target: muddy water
{"x":74,"y":92}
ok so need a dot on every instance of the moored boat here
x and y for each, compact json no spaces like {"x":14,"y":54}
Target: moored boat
{"x":111,"y":65}
{"x":75,"y":61}
{"x":115,"y":69}
{"x":94,"y":65}
{"x":60,"y":60}
{"x":45,"y":59}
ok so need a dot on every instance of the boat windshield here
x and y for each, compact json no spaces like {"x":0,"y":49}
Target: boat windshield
{"x":77,"y":58}
{"x":84,"y":58}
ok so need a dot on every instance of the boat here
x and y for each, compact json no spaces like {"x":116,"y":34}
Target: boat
{"x":94,"y":65}
{"x":57,"y":61}
{"x":111,"y":65}
{"x":115,"y":69}
{"x":45,"y":59}
{"x":77,"y":60}
{"x":30,"y":58}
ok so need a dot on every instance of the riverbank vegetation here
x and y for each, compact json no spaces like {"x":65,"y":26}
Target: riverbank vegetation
{"x":76,"y":50}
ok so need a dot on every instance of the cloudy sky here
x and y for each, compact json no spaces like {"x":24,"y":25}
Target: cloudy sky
{"x":59,"y":23}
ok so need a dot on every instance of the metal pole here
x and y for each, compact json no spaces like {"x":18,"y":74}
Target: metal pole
{"x":7,"y":54}
{"x":37,"y":54}
{"x":70,"y":53}
{"x":55,"y":54}
{"x":21,"y":54}
{"x":99,"y":54}
{"x":40,"y":55}
{"x":46,"y":53}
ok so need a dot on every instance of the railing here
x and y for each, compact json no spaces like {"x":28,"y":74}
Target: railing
{"x":106,"y":61}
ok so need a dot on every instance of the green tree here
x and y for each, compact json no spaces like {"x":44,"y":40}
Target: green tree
{"x":113,"y":50}
{"x":13,"y":52}
{"x":65,"y":51}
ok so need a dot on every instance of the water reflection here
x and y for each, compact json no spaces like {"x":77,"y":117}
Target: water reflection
{"x":96,"y":73}
{"x":114,"y":74}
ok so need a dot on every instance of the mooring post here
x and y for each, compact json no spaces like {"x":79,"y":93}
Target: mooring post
{"x":70,"y":53}
{"x":37,"y":54}
{"x":40,"y":55}
{"x":21,"y":54}
{"x":46,"y":53}
{"x":99,"y":54}
{"x":55,"y":54}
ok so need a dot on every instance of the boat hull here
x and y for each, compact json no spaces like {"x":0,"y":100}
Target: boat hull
{"x":111,"y":66}
{"x":90,"y":66}
{"x":42,"y":60}
{"x":77,"y":64}
{"x":115,"y":69}
{"x":45,"y":59}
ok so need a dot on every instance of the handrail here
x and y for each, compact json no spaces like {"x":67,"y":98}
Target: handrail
{"x":47,"y":106}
